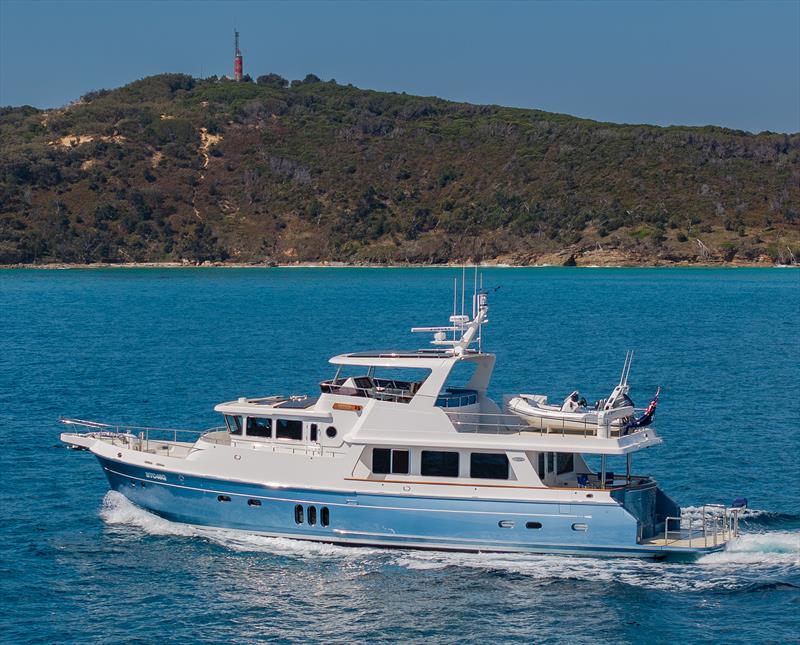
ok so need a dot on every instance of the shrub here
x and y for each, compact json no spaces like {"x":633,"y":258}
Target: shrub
{"x":272,"y":80}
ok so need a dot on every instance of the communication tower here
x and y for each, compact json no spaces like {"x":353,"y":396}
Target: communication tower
{"x":237,"y":58}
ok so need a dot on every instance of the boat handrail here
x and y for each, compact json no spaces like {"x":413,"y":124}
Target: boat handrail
{"x":138,"y":432}
{"x":509,"y":423}
{"x":716,"y":525}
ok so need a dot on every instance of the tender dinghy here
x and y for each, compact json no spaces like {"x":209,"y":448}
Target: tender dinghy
{"x":573,"y":414}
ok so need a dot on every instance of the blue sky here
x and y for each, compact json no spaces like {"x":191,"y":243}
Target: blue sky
{"x":735,"y":64}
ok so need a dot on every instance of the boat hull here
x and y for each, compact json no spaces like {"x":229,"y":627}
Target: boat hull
{"x":384,"y":520}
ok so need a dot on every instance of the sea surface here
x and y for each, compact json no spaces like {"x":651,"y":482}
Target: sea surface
{"x":161,"y":347}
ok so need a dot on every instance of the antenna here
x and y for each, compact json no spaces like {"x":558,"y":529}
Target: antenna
{"x":455,"y":302}
{"x":475,"y":293}
{"x":626,"y":368}
{"x":463,"y":281}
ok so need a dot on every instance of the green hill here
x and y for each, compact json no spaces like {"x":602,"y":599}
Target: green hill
{"x":176,"y":168}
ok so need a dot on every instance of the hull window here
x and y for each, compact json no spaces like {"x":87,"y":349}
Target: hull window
{"x":223,"y":498}
{"x":298,"y":514}
{"x":488,"y":465}
{"x":386,"y":461}
{"x":324,"y":516}
{"x":259,"y":427}
{"x":234,"y":424}
{"x":439,"y":464}
{"x":580,"y":527}
{"x":254,"y":502}
{"x":312,"y":515}
{"x":331,"y":432}
{"x":533,"y":525}
{"x":289,"y":429}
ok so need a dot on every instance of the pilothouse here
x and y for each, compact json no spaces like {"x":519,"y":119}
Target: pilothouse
{"x":394,"y":451}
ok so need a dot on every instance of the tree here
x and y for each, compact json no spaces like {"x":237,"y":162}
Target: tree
{"x":273,"y":80}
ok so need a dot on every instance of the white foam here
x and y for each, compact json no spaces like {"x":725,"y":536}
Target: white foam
{"x":118,"y":510}
{"x":769,"y":548}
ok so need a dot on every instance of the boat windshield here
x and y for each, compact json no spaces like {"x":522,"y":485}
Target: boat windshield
{"x":386,"y":384}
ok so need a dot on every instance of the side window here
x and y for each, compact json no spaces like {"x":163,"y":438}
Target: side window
{"x":288,"y":429}
{"x":259,"y":427}
{"x":385,"y":461}
{"x":312,"y":432}
{"x":565,"y":462}
{"x":540,"y":466}
{"x":381,"y":461}
{"x":484,"y":465}
{"x":439,"y":464}
{"x":400,"y":462}
{"x":234,"y":424}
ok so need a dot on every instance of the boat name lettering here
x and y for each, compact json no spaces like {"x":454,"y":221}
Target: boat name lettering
{"x":158,"y":476}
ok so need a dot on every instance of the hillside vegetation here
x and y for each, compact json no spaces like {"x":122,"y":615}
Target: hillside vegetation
{"x":172,"y":168}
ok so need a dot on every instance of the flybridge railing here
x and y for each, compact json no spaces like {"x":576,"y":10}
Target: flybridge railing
{"x":140,"y":436}
{"x":508,"y":423}
{"x":715,"y":525}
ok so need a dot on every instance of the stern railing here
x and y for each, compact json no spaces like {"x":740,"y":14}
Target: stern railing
{"x":715,"y":525}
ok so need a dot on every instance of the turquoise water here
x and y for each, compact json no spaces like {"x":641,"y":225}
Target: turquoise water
{"x":161,"y":347}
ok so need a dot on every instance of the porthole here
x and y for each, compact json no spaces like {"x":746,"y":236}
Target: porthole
{"x":312,"y":515}
{"x":580,"y":527}
{"x":223,"y":498}
{"x":505,"y":524}
{"x":330,"y":432}
{"x":324,"y":516}
{"x":533,"y":525}
{"x":298,"y":514}
{"x":254,"y":502}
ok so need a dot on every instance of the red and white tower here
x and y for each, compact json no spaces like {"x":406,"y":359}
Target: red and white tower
{"x":237,"y":59}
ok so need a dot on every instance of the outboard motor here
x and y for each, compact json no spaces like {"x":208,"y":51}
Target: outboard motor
{"x":739,"y":502}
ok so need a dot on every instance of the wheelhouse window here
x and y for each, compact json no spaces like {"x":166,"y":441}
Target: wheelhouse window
{"x":259,"y":427}
{"x":234,"y":424}
{"x":439,"y":464}
{"x":565,"y":462}
{"x":289,"y":429}
{"x":386,"y":461}
{"x":487,"y":465}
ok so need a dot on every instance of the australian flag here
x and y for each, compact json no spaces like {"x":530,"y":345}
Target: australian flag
{"x":647,"y":418}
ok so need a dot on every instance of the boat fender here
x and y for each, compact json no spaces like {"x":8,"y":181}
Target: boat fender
{"x":740,"y":502}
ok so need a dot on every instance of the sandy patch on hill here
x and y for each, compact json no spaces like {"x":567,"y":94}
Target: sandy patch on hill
{"x":206,"y":141}
{"x":74,"y":140}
